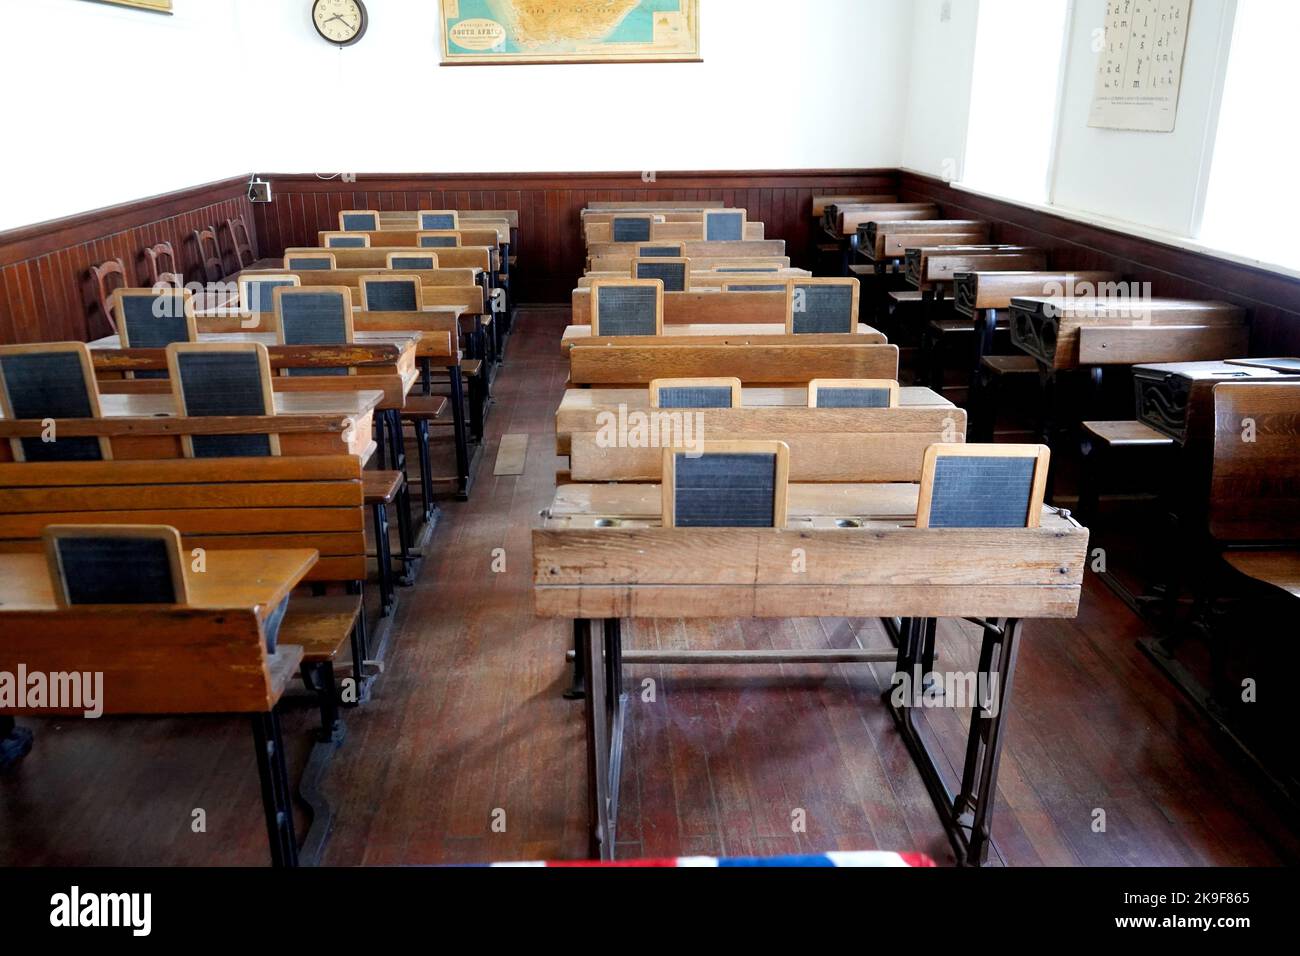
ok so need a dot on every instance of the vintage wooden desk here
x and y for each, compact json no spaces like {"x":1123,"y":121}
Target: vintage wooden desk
{"x":206,"y":657}
{"x":720,"y":333}
{"x":384,"y":362}
{"x":754,"y":364}
{"x":701,"y":306}
{"x":1113,"y":330}
{"x":985,"y":297}
{"x":826,"y":444}
{"x":147,"y":426}
{"x":602,"y":555}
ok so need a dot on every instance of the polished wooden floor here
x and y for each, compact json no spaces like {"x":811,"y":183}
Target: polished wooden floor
{"x":1105,"y":763}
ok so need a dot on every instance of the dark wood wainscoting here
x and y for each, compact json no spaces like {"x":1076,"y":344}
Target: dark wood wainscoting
{"x":45,"y":292}
{"x":1274,"y":299}
{"x":551,"y":248}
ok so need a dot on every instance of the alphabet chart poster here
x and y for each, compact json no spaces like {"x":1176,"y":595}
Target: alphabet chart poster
{"x":1140,"y":68}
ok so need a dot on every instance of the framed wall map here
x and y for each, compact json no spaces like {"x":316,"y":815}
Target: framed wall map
{"x":158,"y":6}
{"x":569,"y":31}
{"x":1140,"y":68}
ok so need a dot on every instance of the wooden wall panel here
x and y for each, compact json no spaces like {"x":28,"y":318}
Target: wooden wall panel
{"x":1273,"y":299}
{"x":45,"y":292}
{"x":551,"y":252}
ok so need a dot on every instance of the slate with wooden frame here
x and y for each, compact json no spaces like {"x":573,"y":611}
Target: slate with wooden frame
{"x":631,"y":228}
{"x":345,"y":240}
{"x":821,"y":305}
{"x":629,"y":307}
{"x":311,"y":262}
{"x":237,"y":383}
{"x":730,"y":484}
{"x":115,"y":564}
{"x":154,"y":330}
{"x":253,"y":296}
{"x":437,"y":220}
{"x":28,"y":373}
{"x":724,"y":225}
{"x":437,"y":239}
{"x":758,"y":284}
{"x":853,"y":393}
{"x":674,"y":273}
{"x":419,"y":261}
{"x":320,"y":315}
{"x":359,"y":220}
{"x":391,"y":293}
{"x":657,"y":250}
{"x":982,"y":486}
{"x":695,"y":393}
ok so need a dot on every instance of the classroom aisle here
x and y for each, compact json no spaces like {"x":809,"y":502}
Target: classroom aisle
{"x":467,"y":751}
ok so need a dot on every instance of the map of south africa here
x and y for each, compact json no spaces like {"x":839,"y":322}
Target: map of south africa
{"x":503,"y":29}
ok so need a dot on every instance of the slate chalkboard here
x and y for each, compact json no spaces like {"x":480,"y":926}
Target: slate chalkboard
{"x":308,"y":264}
{"x":672,"y":274}
{"x":852,"y":397}
{"x":659,"y":252}
{"x":345,"y":242}
{"x":702,"y":396}
{"x":724,"y":226}
{"x":259,"y":294}
{"x":981,"y":491}
{"x":412,"y":262}
{"x":437,"y":220}
{"x":360,"y":222}
{"x":724,"y":490}
{"x":112,"y":570}
{"x":431,"y":242}
{"x":224,"y":383}
{"x":392,"y":295}
{"x":314,"y":318}
{"x":154,"y":321}
{"x":826,"y":308}
{"x":626,"y":310}
{"x":42,"y":385}
{"x":630,"y":228}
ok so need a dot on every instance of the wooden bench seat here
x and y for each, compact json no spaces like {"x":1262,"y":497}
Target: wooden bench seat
{"x":1126,"y":434}
{"x":1277,"y":569}
{"x":1100,"y":441}
{"x":381,"y":486}
{"x":321,"y":625}
{"x":430,"y":408}
{"x":206,"y":654}
{"x":994,"y":373}
{"x":216,"y":504}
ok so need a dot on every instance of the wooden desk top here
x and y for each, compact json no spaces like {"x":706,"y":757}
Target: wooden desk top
{"x":155,"y":404}
{"x":403,"y":340}
{"x":601,"y":552}
{"x":257,"y":579}
{"x":702,"y":333}
{"x":581,"y":399}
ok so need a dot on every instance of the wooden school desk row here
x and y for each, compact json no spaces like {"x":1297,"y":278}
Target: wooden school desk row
{"x":709,"y":435}
{"x":241,"y":428}
{"x":940,"y":283}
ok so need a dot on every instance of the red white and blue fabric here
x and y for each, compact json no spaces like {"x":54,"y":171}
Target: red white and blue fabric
{"x":862,"y":858}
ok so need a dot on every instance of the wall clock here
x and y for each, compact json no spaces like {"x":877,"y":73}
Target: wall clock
{"x":341,"y":22}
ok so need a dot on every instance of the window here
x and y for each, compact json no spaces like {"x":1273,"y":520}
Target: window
{"x":1010,"y":138}
{"x":1251,"y":204}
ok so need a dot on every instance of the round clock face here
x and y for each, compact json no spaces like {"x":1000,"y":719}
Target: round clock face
{"x":339,"y":21}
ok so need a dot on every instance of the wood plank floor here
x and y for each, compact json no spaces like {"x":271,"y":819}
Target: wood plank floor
{"x":467,"y":729}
